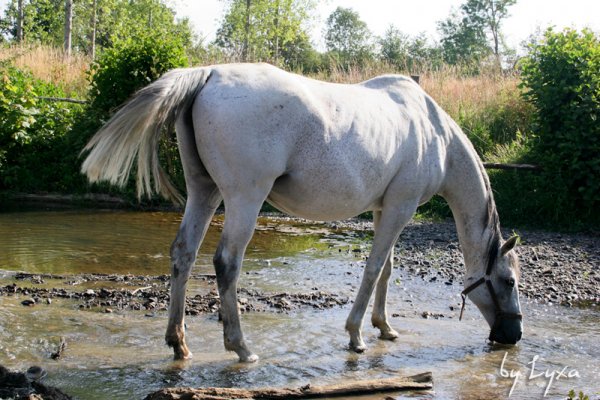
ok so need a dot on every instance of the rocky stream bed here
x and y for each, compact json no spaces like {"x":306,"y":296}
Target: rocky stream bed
{"x":562,"y":269}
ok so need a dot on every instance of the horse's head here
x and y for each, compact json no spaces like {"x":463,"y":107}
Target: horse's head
{"x":496,"y":294}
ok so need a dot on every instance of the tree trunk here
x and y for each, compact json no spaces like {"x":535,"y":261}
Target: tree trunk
{"x":20,"y":21}
{"x":68,"y":26}
{"x":277,"y":33}
{"x":93,"y":34}
{"x":246,"y":32}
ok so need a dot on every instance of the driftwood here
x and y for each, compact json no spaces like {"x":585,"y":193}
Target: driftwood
{"x":422,"y":381}
{"x":62,"y":345}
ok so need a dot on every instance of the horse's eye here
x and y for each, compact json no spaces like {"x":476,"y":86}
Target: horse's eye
{"x":510,"y":282}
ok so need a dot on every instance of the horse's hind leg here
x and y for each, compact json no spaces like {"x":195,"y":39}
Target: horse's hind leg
{"x":240,"y":219}
{"x":184,"y":249}
{"x":379,"y":318}
{"x":203,"y":198}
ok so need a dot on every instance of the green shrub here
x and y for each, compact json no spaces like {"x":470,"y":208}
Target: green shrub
{"x":130,"y":65}
{"x":31,"y":128}
{"x":561,"y":78}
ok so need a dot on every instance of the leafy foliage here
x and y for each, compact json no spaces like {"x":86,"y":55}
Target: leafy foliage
{"x":265,"y":30}
{"x":130,"y":65}
{"x":115,"y":20}
{"x":413,"y":54}
{"x":462,"y":42}
{"x":30,"y":128}
{"x":561,"y":78}
{"x":466,"y":34}
{"x":348,"y":37}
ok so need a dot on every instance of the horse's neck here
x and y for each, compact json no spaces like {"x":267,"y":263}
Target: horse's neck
{"x":467,"y":191}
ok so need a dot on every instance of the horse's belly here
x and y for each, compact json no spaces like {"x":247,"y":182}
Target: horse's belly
{"x":323,"y":201}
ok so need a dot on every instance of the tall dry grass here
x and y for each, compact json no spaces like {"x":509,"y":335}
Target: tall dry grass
{"x":456,"y":92}
{"x":51,"y":65}
{"x":450,"y":87}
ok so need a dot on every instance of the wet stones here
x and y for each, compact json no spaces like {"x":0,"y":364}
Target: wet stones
{"x":21,"y":386}
{"x":155,"y":297}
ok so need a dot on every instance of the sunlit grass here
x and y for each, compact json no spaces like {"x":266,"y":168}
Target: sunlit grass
{"x":51,"y":65}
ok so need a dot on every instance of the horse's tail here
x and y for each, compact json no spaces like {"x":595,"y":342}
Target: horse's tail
{"x":135,"y":130}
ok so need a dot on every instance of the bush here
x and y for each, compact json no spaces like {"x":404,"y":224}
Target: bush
{"x":31,"y":127}
{"x":561,"y":78}
{"x":130,"y":65}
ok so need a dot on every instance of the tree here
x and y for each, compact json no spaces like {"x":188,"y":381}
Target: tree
{"x":489,"y":14}
{"x":394,"y":47}
{"x":264,"y":29}
{"x":462,"y":41}
{"x":347,"y":36}
{"x":466,"y":35}
{"x":411,"y":54}
{"x":44,"y":21}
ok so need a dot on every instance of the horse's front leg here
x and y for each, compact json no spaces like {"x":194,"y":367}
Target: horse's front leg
{"x":184,"y":249}
{"x":393,"y":220}
{"x":379,"y":318}
{"x":240,"y":220}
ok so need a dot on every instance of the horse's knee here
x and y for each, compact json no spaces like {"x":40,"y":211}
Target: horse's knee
{"x":225,"y":269}
{"x":182,"y":258}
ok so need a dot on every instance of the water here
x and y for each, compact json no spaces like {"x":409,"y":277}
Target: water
{"x":122,"y":355}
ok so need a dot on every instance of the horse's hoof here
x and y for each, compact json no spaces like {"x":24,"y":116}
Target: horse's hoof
{"x":182,"y":355}
{"x":359,"y":348}
{"x":389,"y":335}
{"x":178,"y":357}
{"x":251,"y":358}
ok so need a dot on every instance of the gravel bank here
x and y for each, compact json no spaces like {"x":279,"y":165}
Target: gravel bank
{"x":555,"y":267}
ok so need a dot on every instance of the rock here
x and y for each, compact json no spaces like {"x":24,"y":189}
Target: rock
{"x":28,"y":302}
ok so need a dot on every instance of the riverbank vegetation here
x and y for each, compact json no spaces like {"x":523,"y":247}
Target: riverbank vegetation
{"x":541,"y":109}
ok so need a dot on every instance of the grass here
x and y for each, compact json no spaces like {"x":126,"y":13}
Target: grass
{"x":51,"y":65}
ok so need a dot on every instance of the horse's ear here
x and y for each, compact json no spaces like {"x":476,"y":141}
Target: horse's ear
{"x":509,"y":244}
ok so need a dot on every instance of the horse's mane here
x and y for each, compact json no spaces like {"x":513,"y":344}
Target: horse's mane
{"x":491,"y":222}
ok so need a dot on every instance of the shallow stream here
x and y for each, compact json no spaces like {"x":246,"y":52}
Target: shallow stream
{"x":121,"y":355}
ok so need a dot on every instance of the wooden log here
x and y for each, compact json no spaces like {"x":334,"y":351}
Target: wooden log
{"x":422,"y":381}
{"x":63,"y":100}
{"x":526,"y":167}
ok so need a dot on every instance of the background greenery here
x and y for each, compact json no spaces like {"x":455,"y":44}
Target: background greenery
{"x":541,"y":109}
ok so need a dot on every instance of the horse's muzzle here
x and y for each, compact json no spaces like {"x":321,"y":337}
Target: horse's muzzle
{"x":506,"y":330}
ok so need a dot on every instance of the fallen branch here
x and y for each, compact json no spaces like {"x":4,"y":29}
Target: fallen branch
{"x":63,"y":99}
{"x":527,"y":167}
{"x":134,"y":292}
{"x":60,"y":350}
{"x":422,"y":381}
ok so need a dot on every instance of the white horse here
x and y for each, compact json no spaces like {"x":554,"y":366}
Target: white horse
{"x":251,"y":132}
